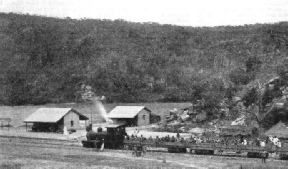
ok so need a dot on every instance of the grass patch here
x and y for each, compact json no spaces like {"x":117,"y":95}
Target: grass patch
{"x":10,"y":165}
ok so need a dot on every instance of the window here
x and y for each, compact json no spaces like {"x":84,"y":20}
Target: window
{"x":143,"y":117}
{"x":72,"y":123}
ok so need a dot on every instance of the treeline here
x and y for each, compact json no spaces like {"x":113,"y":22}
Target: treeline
{"x":46,"y":60}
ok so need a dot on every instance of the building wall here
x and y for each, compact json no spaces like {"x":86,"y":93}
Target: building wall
{"x":119,"y":121}
{"x":143,"y":118}
{"x":71,"y":117}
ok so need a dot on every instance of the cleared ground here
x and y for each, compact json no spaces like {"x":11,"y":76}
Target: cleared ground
{"x":19,"y":113}
{"x":21,"y":153}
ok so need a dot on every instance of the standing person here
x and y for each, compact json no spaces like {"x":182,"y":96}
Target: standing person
{"x":134,"y":150}
{"x":172,"y":139}
{"x":275,"y":140}
{"x":102,"y":145}
{"x":264,"y":156}
{"x":267,"y":140}
{"x":244,"y":142}
{"x":270,"y":138}
{"x":65,"y":131}
{"x":144,"y":150}
{"x":257,"y":142}
{"x":279,"y":144}
{"x":178,"y":136}
{"x":262,"y":143}
{"x":136,"y":132}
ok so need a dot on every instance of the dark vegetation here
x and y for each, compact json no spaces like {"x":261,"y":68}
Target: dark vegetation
{"x":46,"y":60}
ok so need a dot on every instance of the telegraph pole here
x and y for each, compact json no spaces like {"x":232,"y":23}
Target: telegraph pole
{"x":91,"y":112}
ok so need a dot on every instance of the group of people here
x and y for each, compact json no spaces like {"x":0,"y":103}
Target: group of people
{"x":262,"y":142}
{"x":268,"y":141}
{"x":275,"y":141}
{"x":219,"y":140}
{"x":178,"y":138}
{"x":167,"y":138}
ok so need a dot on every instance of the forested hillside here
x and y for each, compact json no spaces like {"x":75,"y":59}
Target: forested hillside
{"x":46,"y":60}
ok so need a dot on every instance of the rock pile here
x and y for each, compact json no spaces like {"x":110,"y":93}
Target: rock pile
{"x":193,"y":114}
{"x":183,"y":120}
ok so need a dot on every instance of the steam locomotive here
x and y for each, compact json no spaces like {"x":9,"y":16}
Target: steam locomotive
{"x":113,"y":137}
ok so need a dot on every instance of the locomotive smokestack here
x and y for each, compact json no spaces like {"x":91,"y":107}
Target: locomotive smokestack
{"x":101,"y":109}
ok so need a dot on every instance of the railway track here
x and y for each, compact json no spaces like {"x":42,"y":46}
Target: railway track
{"x":68,"y":144}
{"x":40,"y":142}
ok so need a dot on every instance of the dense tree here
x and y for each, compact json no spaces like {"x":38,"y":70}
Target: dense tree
{"x":48,"y":59}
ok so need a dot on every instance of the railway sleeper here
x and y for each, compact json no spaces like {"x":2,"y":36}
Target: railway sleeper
{"x":254,"y":155}
{"x":283,"y":156}
{"x":90,"y":144}
{"x":204,"y":152}
{"x":177,"y":150}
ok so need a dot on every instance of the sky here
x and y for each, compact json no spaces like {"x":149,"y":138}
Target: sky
{"x":176,"y":12}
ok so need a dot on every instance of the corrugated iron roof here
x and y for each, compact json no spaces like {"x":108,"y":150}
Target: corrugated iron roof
{"x":126,"y":111}
{"x":50,"y":115}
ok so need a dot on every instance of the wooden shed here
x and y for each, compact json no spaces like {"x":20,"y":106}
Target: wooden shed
{"x":54,"y":119}
{"x":131,"y":115}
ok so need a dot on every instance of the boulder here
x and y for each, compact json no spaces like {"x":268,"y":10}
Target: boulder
{"x":239,"y":121}
{"x":184,"y":116}
{"x":192,"y":112}
{"x":173,"y":112}
{"x":236,"y":99}
{"x":179,"y":119}
{"x":197,"y":130}
{"x":182,"y":129}
{"x":201,"y":117}
{"x":187,"y":118}
{"x":194,"y":119}
{"x":171,"y":118}
{"x":173,"y":123}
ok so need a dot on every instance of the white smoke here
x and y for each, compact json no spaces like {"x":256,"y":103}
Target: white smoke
{"x":101,"y":109}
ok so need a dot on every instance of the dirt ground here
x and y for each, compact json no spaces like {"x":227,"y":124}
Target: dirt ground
{"x":19,"y":155}
{"x":22,"y":155}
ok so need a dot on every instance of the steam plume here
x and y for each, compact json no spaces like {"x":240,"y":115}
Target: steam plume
{"x":101,"y":109}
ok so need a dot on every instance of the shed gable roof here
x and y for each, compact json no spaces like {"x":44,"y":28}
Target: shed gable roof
{"x":51,"y":115}
{"x":279,"y":130}
{"x":126,"y":111}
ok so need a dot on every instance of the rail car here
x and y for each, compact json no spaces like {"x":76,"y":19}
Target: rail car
{"x":114,"y":138}
{"x":209,"y":148}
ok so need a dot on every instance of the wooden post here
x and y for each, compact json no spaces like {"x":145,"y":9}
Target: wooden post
{"x":91,"y":113}
{"x":26,"y":126}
